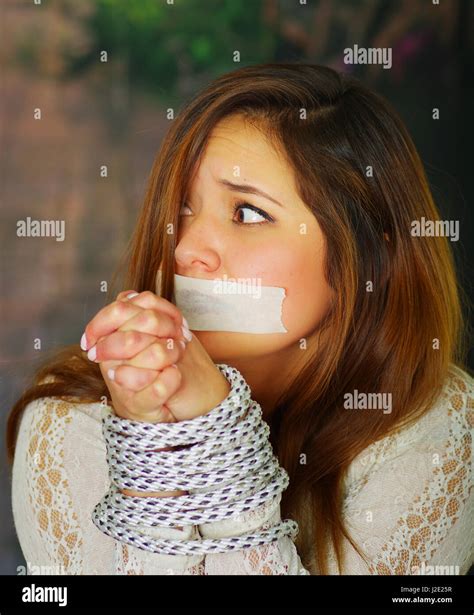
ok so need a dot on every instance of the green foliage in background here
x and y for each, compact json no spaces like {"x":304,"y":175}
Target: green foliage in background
{"x":159,"y":42}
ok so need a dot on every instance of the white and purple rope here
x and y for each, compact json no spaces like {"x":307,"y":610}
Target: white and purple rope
{"x":228,"y":468}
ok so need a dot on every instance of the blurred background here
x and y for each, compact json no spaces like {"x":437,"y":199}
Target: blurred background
{"x":114,"y":113}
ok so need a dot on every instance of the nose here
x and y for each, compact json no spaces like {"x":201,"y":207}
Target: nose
{"x":199,"y":244}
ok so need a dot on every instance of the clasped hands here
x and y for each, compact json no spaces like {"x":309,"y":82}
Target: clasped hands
{"x":154,"y":368}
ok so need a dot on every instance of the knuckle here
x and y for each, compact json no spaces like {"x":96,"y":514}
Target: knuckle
{"x":150,"y":317}
{"x":118,"y":376}
{"x":117,"y":309}
{"x":131,"y":338}
{"x":159,"y":389}
{"x":141,"y":378}
{"x":147,"y":294}
{"x":142,"y":319}
{"x":157,"y":352}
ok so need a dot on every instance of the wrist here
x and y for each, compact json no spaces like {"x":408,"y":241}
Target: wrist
{"x":162,"y":415}
{"x":217,"y":395}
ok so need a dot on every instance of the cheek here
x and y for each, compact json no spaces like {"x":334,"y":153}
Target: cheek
{"x":307,"y":301}
{"x":298,"y":268}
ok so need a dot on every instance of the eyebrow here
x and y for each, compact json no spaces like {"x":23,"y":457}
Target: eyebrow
{"x":246,"y":188}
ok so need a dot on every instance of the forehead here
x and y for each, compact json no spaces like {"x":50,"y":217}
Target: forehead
{"x":239,"y":137}
{"x":236,"y":143}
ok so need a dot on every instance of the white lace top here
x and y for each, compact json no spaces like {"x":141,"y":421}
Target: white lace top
{"x":408,"y":500}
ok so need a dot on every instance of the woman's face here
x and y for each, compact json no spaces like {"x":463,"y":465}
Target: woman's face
{"x":280,"y":245}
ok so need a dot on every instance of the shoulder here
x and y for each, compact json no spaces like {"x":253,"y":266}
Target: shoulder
{"x":452,"y":416}
{"x":47,"y":422}
{"x":66,"y":407}
{"x":443,"y":431}
{"x":63,"y":410}
{"x":460,"y":390}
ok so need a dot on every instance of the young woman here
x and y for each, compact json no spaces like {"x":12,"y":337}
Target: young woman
{"x":304,"y":179}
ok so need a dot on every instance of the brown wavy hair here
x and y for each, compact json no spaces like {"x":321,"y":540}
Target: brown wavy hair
{"x":330,"y":128}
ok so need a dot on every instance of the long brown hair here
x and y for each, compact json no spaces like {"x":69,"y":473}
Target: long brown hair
{"x":358,"y":171}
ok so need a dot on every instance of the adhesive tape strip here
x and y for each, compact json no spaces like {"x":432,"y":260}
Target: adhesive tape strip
{"x":228,"y":304}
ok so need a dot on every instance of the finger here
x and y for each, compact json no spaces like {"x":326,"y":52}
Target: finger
{"x":161,"y":414}
{"x":114,"y":315}
{"x":160,"y":354}
{"x":146,"y":321}
{"x":132,"y":378}
{"x":105,"y":366}
{"x":126,"y":294}
{"x":149,"y":301}
{"x":120,"y":345}
{"x":158,"y":392}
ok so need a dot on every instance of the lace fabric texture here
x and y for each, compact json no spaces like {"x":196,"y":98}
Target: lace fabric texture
{"x":408,"y":500}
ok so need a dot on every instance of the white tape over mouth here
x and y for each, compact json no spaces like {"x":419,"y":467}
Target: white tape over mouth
{"x":228,"y":304}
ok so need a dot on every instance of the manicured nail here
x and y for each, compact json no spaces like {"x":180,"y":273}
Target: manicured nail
{"x":111,"y":374}
{"x":91,"y":355}
{"x":84,"y":342}
{"x":182,"y":343}
{"x":131,"y":295}
{"x":187,"y":333}
{"x":185,"y":323}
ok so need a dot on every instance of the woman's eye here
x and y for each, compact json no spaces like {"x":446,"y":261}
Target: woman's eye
{"x":183,"y":205}
{"x":253,"y":217}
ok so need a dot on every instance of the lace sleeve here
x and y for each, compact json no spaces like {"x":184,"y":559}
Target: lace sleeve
{"x":59,"y":474}
{"x":409,"y":501}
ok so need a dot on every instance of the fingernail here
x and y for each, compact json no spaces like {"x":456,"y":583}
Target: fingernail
{"x":84,"y":342}
{"x":91,"y":355}
{"x":111,"y":374}
{"x":187,"y":333}
{"x":185,"y":322}
{"x":182,"y":343}
{"x":131,"y":295}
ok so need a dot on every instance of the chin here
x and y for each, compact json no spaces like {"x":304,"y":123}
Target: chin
{"x":225,"y":346}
